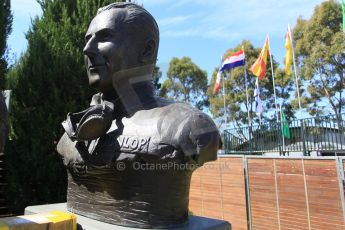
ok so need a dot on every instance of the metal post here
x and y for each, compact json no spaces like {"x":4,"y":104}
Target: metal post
{"x":274,"y":85}
{"x":246,"y":177}
{"x":247,"y":97}
{"x":341,"y":179}
{"x":297,"y":88}
{"x":281,"y":130}
{"x":249,"y":118}
{"x":295,"y":69}
{"x":276,"y":190}
{"x":306,"y":194}
{"x":225,"y":141}
{"x":303,"y":140}
{"x":224,"y":95}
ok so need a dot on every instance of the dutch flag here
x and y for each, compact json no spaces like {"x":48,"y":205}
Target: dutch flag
{"x":232,"y":61}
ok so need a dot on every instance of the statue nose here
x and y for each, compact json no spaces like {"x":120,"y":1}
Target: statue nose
{"x":90,"y":48}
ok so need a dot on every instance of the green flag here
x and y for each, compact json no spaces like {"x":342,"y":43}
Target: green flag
{"x":285,"y":126}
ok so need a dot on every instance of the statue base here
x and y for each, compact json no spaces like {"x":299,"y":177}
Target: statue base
{"x":194,"y":222}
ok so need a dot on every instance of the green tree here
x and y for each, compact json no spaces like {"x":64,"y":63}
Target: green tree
{"x":47,"y":82}
{"x":236,"y":102}
{"x":5,"y":30}
{"x":185,"y":82}
{"x":157,"y":75}
{"x":285,"y":86}
{"x":320,"y":45}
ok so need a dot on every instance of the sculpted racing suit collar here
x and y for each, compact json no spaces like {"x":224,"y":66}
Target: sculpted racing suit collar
{"x":134,"y":92}
{"x":134,"y":88}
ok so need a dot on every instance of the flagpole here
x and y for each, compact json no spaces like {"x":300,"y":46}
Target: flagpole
{"x":297,"y":88}
{"x":274,"y":85}
{"x":247,"y":97}
{"x":246,"y":83}
{"x":225,"y":113}
{"x":224,"y":100}
{"x":281,"y":128}
{"x":295,"y":70}
{"x":258,"y":104}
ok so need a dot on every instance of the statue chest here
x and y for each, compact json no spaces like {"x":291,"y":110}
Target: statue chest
{"x":134,"y":143}
{"x":129,"y":139}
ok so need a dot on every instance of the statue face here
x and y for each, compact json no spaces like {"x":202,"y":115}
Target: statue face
{"x":108,"y":49}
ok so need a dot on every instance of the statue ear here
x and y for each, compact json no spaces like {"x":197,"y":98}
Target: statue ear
{"x":148,"y":51}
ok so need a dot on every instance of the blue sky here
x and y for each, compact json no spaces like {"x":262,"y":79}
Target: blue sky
{"x":200,"y":29}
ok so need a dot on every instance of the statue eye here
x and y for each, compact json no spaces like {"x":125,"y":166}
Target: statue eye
{"x":104,"y":35}
{"x":87,"y":38}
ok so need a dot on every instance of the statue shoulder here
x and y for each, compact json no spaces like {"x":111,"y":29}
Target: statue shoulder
{"x":192,"y":131}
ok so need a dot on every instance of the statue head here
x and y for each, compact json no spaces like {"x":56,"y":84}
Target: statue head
{"x":121,"y":36}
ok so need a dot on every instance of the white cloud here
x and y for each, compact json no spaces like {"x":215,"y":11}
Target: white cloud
{"x":180,"y":33}
{"x":150,"y":3}
{"x":220,"y":19}
{"x":172,"y":20}
{"x":215,"y":33}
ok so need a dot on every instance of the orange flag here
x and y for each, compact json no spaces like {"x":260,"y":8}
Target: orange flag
{"x":259,"y":66}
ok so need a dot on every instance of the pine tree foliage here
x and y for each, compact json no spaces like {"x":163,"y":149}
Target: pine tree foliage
{"x":5,"y":30}
{"x":47,"y":82}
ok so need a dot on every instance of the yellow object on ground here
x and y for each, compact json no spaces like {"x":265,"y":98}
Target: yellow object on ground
{"x":54,"y":220}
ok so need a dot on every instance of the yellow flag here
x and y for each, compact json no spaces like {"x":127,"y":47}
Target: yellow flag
{"x":259,"y":66}
{"x":288,"y":56}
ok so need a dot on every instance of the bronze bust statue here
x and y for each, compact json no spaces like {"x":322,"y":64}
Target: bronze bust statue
{"x":130,"y":155}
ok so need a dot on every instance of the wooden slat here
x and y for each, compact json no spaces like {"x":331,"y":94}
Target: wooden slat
{"x":233,"y":188}
{"x":291,"y":194}
{"x":195,"y":198}
{"x":218,"y":191}
{"x":261,"y":184}
{"x":323,"y":194}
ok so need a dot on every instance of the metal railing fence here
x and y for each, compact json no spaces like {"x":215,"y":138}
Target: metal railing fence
{"x":323,"y":133}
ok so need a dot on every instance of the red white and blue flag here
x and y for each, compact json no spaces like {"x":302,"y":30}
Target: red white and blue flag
{"x":233,"y":60}
{"x":216,"y":87}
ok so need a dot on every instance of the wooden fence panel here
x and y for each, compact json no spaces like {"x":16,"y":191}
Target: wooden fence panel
{"x":195,"y":194}
{"x":284,"y":193}
{"x":211,"y":190}
{"x":264,"y":214}
{"x":325,"y":208}
{"x":234,"y":195}
{"x":218,"y":191}
{"x":291,"y":194}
